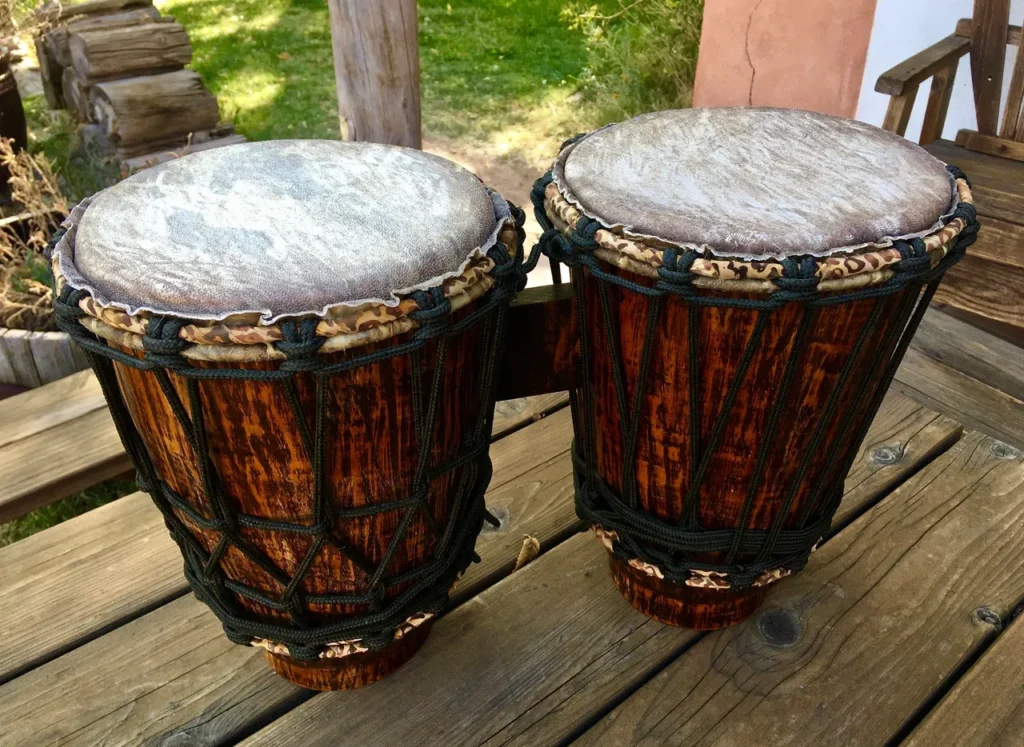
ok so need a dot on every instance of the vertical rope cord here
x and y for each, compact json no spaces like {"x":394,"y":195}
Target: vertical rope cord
{"x":629,"y":482}
{"x":723,"y":415}
{"x":796,"y":354}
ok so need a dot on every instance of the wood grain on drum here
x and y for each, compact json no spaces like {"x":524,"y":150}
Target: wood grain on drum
{"x":662,"y":465}
{"x":256,"y":449}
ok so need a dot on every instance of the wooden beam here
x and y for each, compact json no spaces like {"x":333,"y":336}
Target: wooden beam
{"x":988,"y":54}
{"x":377,"y":70}
{"x":923,"y":65}
{"x":965,"y":26}
{"x":990,"y":145}
{"x":897,"y":116}
{"x":541,"y":348}
{"x":938,"y":105}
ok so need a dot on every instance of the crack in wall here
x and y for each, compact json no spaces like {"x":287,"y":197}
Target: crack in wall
{"x":746,"y":51}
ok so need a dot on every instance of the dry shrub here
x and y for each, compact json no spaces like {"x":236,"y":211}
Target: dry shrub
{"x":641,"y":54}
{"x":26,"y":300}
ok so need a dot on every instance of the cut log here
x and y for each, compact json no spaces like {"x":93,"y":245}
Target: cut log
{"x":129,"y":51}
{"x":154,"y":112}
{"x":49,"y":74}
{"x":56,"y":10}
{"x":76,"y":95}
{"x":152,"y":159}
{"x":57,"y":40}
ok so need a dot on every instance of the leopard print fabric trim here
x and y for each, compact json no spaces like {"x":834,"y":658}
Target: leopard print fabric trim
{"x":867,"y":266}
{"x":242,"y":339}
{"x":342,"y":649}
{"x":698,"y":579}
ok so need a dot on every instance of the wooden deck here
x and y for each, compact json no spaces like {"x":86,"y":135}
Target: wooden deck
{"x":902,"y":629}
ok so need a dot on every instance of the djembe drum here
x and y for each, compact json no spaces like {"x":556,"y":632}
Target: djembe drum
{"x":746,"y":282}
{"x":299,"y":343}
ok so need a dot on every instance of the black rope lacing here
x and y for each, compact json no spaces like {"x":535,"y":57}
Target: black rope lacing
{"x":747,"y":553}
{"x":425,"y":587}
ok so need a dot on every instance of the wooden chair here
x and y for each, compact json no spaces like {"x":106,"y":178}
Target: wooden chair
{"x":987,"y":288}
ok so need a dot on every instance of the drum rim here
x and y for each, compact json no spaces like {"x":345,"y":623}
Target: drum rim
{"x":242,"y":338}
{"x":866,"y":266}
{"x":629,"y":233}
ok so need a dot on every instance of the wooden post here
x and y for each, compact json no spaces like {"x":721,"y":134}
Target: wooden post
{"x":377,"y":69}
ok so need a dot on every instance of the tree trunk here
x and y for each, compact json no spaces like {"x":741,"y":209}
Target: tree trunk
{"x":130,"y":51}
{"x":377,"y":70}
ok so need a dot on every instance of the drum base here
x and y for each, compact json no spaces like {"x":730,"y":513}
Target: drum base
{"x":350,"y":672}
{"x":684,"y":606}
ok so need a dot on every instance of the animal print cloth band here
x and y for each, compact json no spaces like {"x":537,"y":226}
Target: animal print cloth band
{"x":342,"y":649}
{"x":698,"y":579}
{"x":868,"y":266}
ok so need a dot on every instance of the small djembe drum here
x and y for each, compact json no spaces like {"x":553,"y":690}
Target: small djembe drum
{"x":746,"y":282}
{"x":299,"y":343}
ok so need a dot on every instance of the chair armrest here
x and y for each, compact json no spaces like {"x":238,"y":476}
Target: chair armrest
{"x":923,"y":65}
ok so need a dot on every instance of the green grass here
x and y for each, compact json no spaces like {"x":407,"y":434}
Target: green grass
{"x":489,"y":68}
{"x":65,"y":509}
{"x":81,"y":171}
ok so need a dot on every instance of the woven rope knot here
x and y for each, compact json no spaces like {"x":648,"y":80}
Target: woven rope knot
{"x":584,"y":233}
{"x":301,"y":344}
{"x":798,"y":274}
{"x":162,"y":344}
{"x":914,"y":256}
{"x":66,"y":306}
{"x":957,"y":173}
{"x":675,"y":266}
{"x":51,"y":245}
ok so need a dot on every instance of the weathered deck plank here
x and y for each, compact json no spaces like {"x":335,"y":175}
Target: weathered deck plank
{"x":559,"y":643}
{"x":987,"y":705}
{"x":883,"y":614}
{"x":117,"y":562}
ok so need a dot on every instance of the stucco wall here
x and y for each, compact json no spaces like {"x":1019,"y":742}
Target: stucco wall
{"x":807,"y":54}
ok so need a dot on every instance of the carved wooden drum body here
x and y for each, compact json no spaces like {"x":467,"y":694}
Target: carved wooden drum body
{"x":746,"y":284}
{"x":299,"y":342}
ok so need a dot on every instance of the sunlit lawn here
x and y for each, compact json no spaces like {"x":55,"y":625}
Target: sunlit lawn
{"x":490,"y":69}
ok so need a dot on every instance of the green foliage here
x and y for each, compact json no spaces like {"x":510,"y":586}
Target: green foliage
{"x":641,"y":57}
{"x":63,"y":510}
{"x":81,"y":172}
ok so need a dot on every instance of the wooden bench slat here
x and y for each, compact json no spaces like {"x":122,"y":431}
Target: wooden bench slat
{"x":882,"y":616}
{"x":49,"y":406}
{"x":138,"y":684}
{"x":40,"y":466}
{"x":68,"y":584}
{"x":50,"y":465}
{"x":987,"y":705}
{"x":962,"y":397}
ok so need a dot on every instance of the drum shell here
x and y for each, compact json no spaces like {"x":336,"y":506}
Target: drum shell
{"x":662,"y":460}
{"x":371,"y":454}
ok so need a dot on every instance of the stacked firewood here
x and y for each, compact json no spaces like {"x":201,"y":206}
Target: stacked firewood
{"x":119,"y":67}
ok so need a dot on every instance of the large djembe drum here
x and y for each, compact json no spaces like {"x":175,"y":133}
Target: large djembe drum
{"x":299,"y":343}
{"x":746,"y":282}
